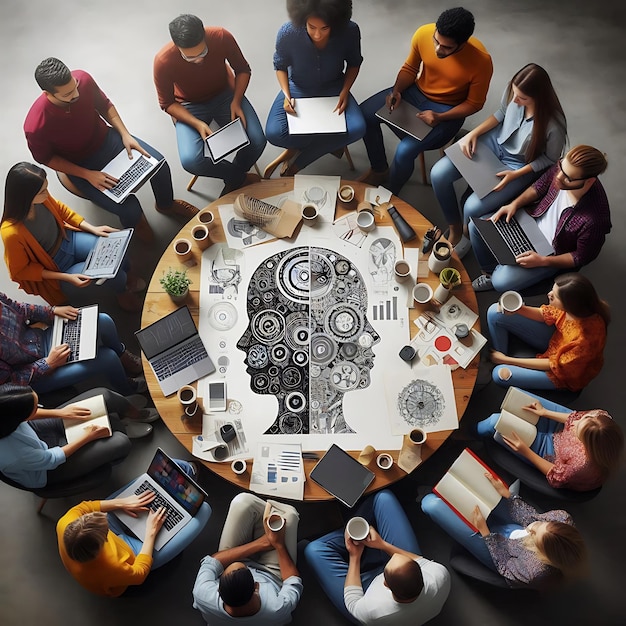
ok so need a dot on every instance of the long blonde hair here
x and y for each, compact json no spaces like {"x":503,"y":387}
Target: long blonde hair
{"x":561,"y":546}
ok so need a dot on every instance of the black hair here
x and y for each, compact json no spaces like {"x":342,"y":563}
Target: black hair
{"x":457,"y":24}
{"x":236,"y":587}
{"x":334,"y":13}
{"x":23,"y":183}
{"x":580,"y":298}
{"x":186,"y":31}
{"x":16,"y":406}
{"x":52,"y":73}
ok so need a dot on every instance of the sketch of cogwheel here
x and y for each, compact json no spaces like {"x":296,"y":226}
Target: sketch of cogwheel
{"x":421,"y":403}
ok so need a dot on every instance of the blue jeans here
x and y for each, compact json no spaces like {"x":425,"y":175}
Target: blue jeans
{"x":498,"y":521}
{"x":444,"y":173}
{"x":409,"y":148}
{"x":536,"y":334}
{"x":71,"y":256}
{"x":177,"y":543}
{"x":107,"y":362}
{"x":328,"y":557}
{"x":312,"y":146}
{"x":191,"y":144}
{"x":506,"y":277}
{"x":129,"y":211}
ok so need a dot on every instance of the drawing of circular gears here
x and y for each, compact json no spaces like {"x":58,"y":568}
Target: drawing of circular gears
{"x":343,"y":322}
{"x":235,"y":407}
{"x":257,"y":357}
{"x":349,"y":350}
{"x":290,"y":424}
{"x":421,"y":403}
{"x":268,"y":326}
{"x":295,"y":402}
{"x":222,"y":316}
{"x":342,"y":267}
{"x":323,"y":348}
{"x":345,"y":376}
{"x":297,"y":333}
{"x":291,"y":377}
{"x":279,"y":354}
{"x":322,"y":275}
{"x":300,"y":358}
{"x":260,"y":382}
{"x":262,"y":281}
{"x":293,"y":275}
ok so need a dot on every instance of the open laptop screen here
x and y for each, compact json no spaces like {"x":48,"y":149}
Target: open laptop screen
{"x":169,"y":331}
{"x":178,"y":485}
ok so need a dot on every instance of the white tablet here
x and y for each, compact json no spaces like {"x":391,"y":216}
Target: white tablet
{"x":226,"y":140}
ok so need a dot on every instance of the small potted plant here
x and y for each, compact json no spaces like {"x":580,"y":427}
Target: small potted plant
{"x":449,"y":277}
{"x":176,"y":284}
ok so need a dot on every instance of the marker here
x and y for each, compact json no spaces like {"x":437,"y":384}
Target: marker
{"x":392,"y":104}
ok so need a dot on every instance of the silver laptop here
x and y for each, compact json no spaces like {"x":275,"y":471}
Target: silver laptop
{"x":181,"y":496}
{"x":79,"y":334}
{"x":175,"y":350}
{"x":480,"y":171}
{"x":131,"y":173}
{"x":507,"y":240}
{"x":226,"y":140}
{"x":404,"y":117}
{"x":107,"y":255}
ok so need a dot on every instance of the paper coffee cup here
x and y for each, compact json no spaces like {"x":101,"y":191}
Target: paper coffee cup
{"x":384,"y":461}
{"x":358,"y":528}
{"x":275,"y":521}
{"x":402,"y":270}
{"x":309,"y":213}
{"x":365,"y":221}
{"x":511,"y":301}
{"x":200,"y":234}
{"x":205,"y":217}
{"x":239,"y":466}
{"x":422,"y":293}
{"x":182,"y":249}
{"x":187,"y":395}
{"x":346,"y":193}
{"x":417,"y":436}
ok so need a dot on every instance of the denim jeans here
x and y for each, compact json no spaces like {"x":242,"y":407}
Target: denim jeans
{"x":129,"y":211}
{"x":536,"y":334}
{"x":177,"y":543}
{"x":191,"y":144}
{"x":312,"y":146}
{"x":444,"y":173}
{"x":328,"y":557}
{"x":409,"y":148}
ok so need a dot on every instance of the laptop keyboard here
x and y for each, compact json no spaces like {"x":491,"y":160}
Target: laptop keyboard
{"x":71,"y":336}
{"x":173,"y":516}
{"x":514,"y":237}
{"x":178,"y":359}
{"x":130,"y":177}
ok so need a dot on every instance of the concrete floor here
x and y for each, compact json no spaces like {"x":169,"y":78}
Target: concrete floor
{"x":581,"y":44}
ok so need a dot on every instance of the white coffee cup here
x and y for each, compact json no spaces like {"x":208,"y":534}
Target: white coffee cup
{"x":402,"y":270}
{"x":511,"y":301}
{"x":358,"y":528}
{"x":187,"y":395}
{"x":205,"y":217}
{"x":346,"y":193}
{"x":422,"y":293}
{"x":365,"y":221}
{"x":418,"y":436}
{"x":239,"y":466}
{"x":200,"y":234}
{"x":275,"y":521}
{"x":309,"y":213}
{"x":384,"y":461}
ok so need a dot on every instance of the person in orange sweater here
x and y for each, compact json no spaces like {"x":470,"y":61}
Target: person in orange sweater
{"x":446,"y":76}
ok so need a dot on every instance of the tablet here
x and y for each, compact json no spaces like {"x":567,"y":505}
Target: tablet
{"x":226,"y":140}
{"x":342,"y":476}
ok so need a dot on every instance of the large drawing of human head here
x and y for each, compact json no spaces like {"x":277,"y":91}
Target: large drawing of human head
{"x":308,"y":341}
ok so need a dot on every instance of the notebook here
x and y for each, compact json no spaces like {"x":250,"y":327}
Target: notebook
{"x":404,"y":117}
{"x":315,"y":116}
{"x":131,"y":173}
{"x":79,"y":334}
{"x":480,"y":171}
{"x":226,"y":140}
{"x":175,"y":350}
{"x":506,"y":240}
{"x":341,"y":475}
{"x":107,"y":255}
{"x":179,"y":493}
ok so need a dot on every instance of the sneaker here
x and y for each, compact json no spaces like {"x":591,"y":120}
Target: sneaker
{"x":463,"y":247}
{"x":131,"y":363}
{"x":374,"y":178}
{"x":136,"y":430}
{"x":138,"y":384}
{"x":182,"y":208}
{"x":194,"y":469}
{"x":482,"y":283}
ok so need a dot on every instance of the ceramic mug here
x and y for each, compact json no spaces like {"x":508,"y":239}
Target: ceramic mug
{"x":309,"y":213}
{"x":511,"y":301}
{"x":346,"y":193}
{"x":365,"y":221}
{"x":358,"y":528}
{"x":239,"y":466}
{"x":422,"y":293}
{"x":275,"y":521}
{"x":402,"y":270}
{"x":384,"y":461}
{"x":205,"y":217}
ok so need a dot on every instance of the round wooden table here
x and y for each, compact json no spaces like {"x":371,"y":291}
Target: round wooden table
{"x":157,"y":304}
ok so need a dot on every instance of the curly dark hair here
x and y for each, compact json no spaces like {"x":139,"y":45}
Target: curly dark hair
{"x":186,"y":30}
{"x":335,"y":13}
{"x":457,"y":24}
{"x":52,"y":73}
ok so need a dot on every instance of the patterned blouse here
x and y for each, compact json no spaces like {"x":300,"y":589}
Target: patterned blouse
{"x":575,"y":350}
{"x":572,"y":467}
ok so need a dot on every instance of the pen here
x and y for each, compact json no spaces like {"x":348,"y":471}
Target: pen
{"x":310,"y":455}
{"x":392,"y":104}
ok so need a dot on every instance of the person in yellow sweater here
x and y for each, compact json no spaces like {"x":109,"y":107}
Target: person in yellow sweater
{"x":446,"y":76}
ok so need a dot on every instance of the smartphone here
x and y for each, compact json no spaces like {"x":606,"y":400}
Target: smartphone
{"x":217,"y":395}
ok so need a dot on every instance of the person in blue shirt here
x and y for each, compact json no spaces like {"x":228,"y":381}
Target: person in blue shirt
{"x":318,"y":54}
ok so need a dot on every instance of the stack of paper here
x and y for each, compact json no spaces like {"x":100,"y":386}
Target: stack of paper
{"x":278,"y":471}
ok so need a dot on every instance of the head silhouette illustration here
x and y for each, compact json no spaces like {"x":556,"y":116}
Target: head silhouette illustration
{"x":308,"y":339}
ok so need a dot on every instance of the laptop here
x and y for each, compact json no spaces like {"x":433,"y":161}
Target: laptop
{"x":105,"y":258}
{"x":404,"y":117}
{"x":226,"y":140}
{"x":131,"y":173}
{"x":175,"y":350}
{"x":79,"y":334}
{"x":508,"y":240}
{"x":342,"y":476}
{"x":480,"y":171}
{"x":174,"y":489}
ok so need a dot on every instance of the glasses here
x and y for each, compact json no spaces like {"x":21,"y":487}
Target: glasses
{"x":195,"y":57}
{"x":569,"y":180}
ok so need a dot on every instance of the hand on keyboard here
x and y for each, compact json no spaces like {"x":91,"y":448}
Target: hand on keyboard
{"x":507,"y":211}
{"x":155,"y":521}
{"x":529,"y":259}
{"x":100,"y":180}
{"x":58,"y":356}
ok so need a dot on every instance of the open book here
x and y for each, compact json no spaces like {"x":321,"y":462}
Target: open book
{"x":75,"y":429}
{"x":464,"y":486}
{"x":513,"y":416}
